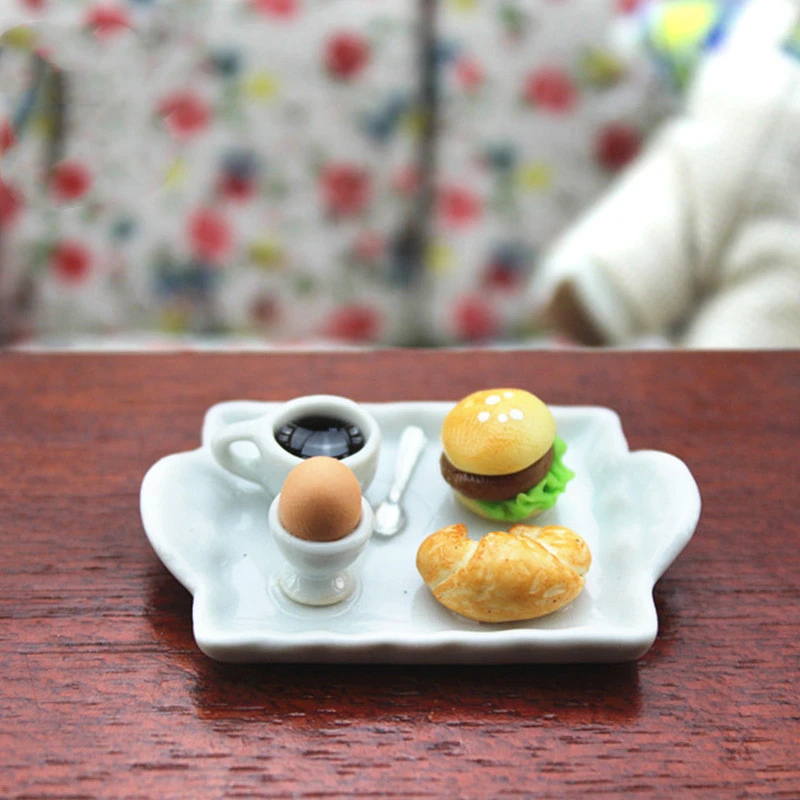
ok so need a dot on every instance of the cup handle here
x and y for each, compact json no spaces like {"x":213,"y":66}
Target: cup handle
{"x":222,"y":450}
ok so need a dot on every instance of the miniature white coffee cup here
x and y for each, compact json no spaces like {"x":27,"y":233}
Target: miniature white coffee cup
{"x":320,"y":573}
{"x":272,"y":463}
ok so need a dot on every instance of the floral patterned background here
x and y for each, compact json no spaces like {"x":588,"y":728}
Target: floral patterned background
{"x":256,"y":167}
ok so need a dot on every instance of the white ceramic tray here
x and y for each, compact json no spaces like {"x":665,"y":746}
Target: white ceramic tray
{"x":637,"y":510}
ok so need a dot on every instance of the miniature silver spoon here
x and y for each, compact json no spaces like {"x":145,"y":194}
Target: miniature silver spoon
{"x":390,"y":518}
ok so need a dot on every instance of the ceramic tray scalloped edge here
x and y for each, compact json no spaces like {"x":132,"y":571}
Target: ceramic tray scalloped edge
{"x":637,"y":510}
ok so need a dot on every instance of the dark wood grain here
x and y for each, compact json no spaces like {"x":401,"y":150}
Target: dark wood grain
{"x":103,"y":692}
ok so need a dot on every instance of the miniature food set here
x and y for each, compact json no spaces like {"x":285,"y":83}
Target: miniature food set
{"x":296,"y":572}
{"x":499,"y":453}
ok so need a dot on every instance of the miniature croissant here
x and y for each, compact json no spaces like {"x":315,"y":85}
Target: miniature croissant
{"x":505,"y":577}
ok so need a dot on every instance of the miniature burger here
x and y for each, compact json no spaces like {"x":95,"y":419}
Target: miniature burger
{"x":502,"y":456}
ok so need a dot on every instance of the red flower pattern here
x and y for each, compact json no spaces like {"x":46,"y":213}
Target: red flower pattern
{"x":470,"y":74}
{"x":282,"y":9}
{"x":11,"y":205}
{"x":550,"y":90}
{"x":70,"y":181}
{"x":107,"y":21}
{"x":346,"y":55}
{"x":236,"y":188}
{"x":459,"y":206}
{"x":475,"y":320}
{"x":7,"y":137}
{"x":345,"y":190}
{"x":502,"y":278}
{"x":185,"y":114}
{"x":72,"y":261}
{"x":354,"y":323}
{"x":33,"y":5}
{"x":210,"y":235}
{"x":616,"y":146}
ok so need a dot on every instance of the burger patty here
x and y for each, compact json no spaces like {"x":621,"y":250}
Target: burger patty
{"x":496,"y":488}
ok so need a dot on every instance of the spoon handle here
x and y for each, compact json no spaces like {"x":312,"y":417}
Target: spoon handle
{"x":412,"y":443}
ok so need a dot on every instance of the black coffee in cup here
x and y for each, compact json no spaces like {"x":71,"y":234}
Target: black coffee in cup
{"x":320,"y":436}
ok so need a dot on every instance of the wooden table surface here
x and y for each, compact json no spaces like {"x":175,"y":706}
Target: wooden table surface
{"x":103,"y":692}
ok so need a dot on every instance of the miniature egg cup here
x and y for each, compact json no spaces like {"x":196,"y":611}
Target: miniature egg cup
{"x":320,"y":573}
{"x":272,"y":464}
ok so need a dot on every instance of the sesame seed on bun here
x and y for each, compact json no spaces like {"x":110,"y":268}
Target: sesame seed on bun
{"x":497,"y":432}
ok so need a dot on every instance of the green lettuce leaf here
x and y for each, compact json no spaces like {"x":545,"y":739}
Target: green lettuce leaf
{"x":539,"y":498}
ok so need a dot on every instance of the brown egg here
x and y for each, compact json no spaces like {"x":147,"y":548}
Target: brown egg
{"x":320,"y":500}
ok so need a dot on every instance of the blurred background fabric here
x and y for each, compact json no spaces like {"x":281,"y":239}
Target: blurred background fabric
{"x":699,"y":240}
{"x":299,"y":171}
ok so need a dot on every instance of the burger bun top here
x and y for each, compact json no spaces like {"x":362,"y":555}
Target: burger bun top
{"x":497,"y":432}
